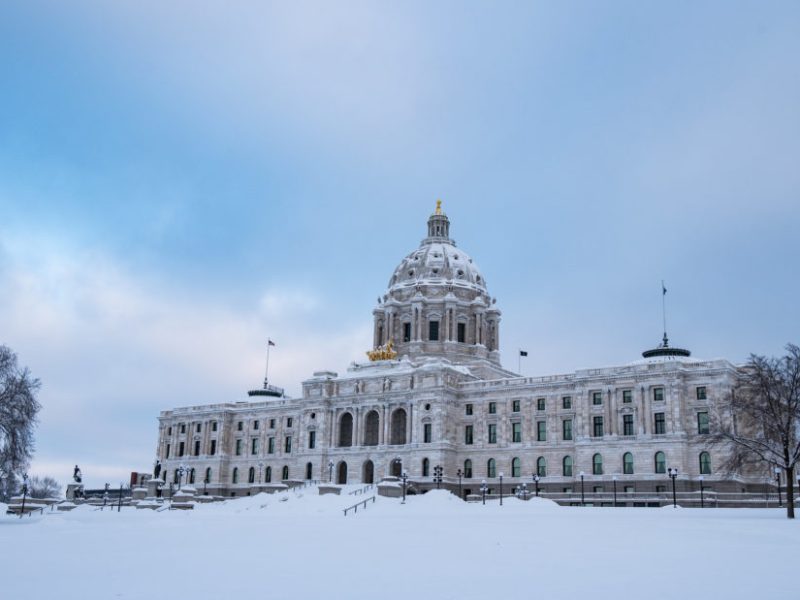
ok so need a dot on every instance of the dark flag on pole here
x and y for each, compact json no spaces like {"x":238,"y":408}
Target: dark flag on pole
{"x":523,"y":353}
{"x":270,"y":342}
{"x":663,"y":289}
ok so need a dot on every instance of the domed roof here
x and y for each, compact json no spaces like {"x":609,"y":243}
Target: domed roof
{"x":437,"y":262}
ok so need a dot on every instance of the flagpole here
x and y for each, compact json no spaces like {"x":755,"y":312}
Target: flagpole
{"x":519,"y":361}
{"x":664,"y":309}
{"x":266,"y":373}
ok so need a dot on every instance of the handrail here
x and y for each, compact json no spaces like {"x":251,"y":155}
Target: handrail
{"x":357,"y":504}
{"x":360,"y":491}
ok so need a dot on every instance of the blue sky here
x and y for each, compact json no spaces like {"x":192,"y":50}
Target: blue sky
{"x":180,"y":181}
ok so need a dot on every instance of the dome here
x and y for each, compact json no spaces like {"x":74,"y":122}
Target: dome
{"x":437,"y":262}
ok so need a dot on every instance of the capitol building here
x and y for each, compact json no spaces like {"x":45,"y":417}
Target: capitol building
{"x":434,"y":398}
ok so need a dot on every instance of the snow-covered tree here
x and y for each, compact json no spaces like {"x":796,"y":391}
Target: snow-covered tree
{"x":18,"y":408}
{"x":43,"y":487}
{"x":761,"y":424}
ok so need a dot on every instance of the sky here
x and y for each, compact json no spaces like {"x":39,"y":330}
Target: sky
{"x":181,"y":181}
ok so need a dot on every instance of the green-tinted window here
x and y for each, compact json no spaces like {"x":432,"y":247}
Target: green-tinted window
{"x":516,"y":432}
{"x":566,"y":428}
{"x":492,"y":433}
{"x":541,"y":431}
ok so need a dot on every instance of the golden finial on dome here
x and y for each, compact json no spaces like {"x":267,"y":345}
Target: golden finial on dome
{"x":438,"y":207}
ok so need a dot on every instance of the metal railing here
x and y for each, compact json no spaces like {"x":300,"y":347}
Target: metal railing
{"x":360,"y":491}
{"x":363,"y":503}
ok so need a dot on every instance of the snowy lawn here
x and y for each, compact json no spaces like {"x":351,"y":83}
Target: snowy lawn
{"x":434,"y":546}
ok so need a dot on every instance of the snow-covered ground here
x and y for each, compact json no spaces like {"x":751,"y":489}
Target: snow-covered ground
{"x":299,"y":545}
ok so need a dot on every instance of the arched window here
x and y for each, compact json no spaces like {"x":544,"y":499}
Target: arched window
{"x":208,"y":475}
{"x":177,"y":477}
{"x":285,"y":473}
{"x":566,"y":466}
{"x":541,"y":467}
{"x":705,"y":463}
{"x":398,"y":427}
{"x":597,"y":464}
{"x":467,"y":469}
{"x":661,"y":462}
{"x":251,"y":475}
{"x":346,"y":431}
{"x":627,"y":463}
{"x":268,"y":475}
{"x":235,"y":476}
{"x":491,"y":468}
{"x":191,"y":475}
{"x":309,"y":470}
{"x":372,"y":428}
{"x":516,"y":467}
{"x":426,"y":467}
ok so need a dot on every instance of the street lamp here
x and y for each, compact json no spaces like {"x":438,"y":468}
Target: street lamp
{"x":702,"y":501}
{"x":330,"y":471}
{"x":437,"y":475}
{"x":673,"y":473}
{"x":501,"y":488}
{"x":536,"y":483}
{"x":24,"y":493}
{"x":405,"y":478}
{"x":583,"y":503}
{"x":485,"y":488}
{"x":522,"y":491}
{"x":614,"y":478}
{"x":778,"y":480}
{"x":460,"y":494}
{"x":119,"y":505}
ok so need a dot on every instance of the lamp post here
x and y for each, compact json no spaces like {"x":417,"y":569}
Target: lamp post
{"x":522,"y":491}
{"x":119,"y":505}
{"x":405,"y":478}
{"x":460,"y":493}
{"x":501,"y":488}
{"x":330,"y":471}
{"x":437,"y":475}
{"x":702,"y":501}
{"x":614,"y":479}
{"x":778,"y":481}
{"x":181,"y":471}
{"x":24,"y":493}
{"x":583,"y":502}
{"x":484,"y":489}
{"x":105,"y":495}
{"x":673,"y":473}
{"x":536,"y":483}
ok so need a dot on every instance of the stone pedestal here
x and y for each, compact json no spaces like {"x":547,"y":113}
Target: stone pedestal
{"x":74,"y":490}
{"x":329,"y":489}
{"x":138,"y":493}
{"x":152,"y":487}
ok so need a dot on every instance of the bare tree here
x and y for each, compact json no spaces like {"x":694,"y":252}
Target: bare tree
{"x":762,"y":422}
{"x":43,"y":487}
{"x":18,"y":408}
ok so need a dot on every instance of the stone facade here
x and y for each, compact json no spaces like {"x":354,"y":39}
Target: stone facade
{"x":446,"y":401}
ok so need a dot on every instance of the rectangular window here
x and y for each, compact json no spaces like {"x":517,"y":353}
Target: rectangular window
{"x":540,"y":404}
{"x":598,"y":427}
{"x":627,"y":396}
{"x":628,"y":489}
{"x":272,"y":423}
{"x":239,"y":426}
{"x":288,"y":421}
{"x":198,"y":428}
{"x":183,"y":427}
{"x":468,"y":435}
{"x":462,"y":332}
{"x":169,"y":430}
{"x":598,"y":489}
{"x":541,"y":431}
{"x":492,"y":433}
{"x":427,"y":433}
{"x":702,"y":422}
{"x":254,"y":446}
{"x":213,"y":447}
{"x":433,"y":331}
{"x":566,"y":429}
{"x":271,"y":445}
{"x":658,"y":394}
{"x":167,"y":455}
{"x":180,"y":449}
{"x":701,"y":392}
{"x":627,"y":424}
{"x":287,"y":446}
{"x":515,"y":406}
{"x":516,"y":432}
{"x":406,"y":332}
{"x":660,"y":423}
{"x":492,"y":408}
{"x":255,"y":425}
{"x":660,"y":489}
{"x":597,"y":398}
{"x":468,"y":410}
{"x":197,"y":447}
{"x":312,"y":439}
{"x":213,"y":425}
{"x":566,"y":402}
{"x":238,"y":447}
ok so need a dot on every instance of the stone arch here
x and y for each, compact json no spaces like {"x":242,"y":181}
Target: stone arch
{"x":368,"y":472}
{"x":341,"y":473}
{"x":285,"y":474}
{"x":268,"y":475}
{"x":346,"y":430}
{"x":398,"y":427}
{"x":309,"y":470}
{"x":372,"y":428}
{"x":251,"y":475}
{"x":396,"y":469}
